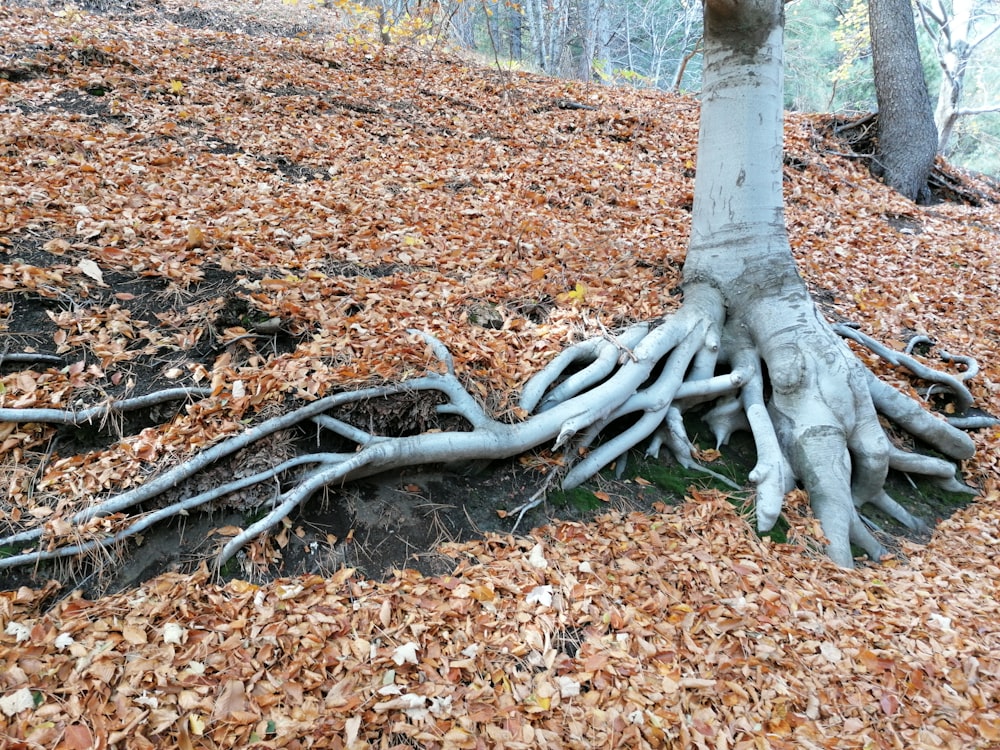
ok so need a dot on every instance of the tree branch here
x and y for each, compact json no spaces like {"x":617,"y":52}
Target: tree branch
{"x":979,"y":110}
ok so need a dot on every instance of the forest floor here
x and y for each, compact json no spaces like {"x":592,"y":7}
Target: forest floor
{"x":252,"y":199}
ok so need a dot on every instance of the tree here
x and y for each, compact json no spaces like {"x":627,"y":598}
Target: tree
{"x":591,"y":30}
{"x":652,"y":42}
{"x":907,"y":137}
{"x":747,"y":338}
{"x":957,"y":37}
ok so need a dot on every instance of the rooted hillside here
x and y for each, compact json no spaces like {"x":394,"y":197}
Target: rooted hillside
{"x":258,"y":212}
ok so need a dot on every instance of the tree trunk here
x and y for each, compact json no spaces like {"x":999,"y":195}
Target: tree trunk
{"x":821,"y":417}
{"x":463,"y":25}
{"x":516,"y":32}
{"x":589,"y":22}
{"x":907,"y":136}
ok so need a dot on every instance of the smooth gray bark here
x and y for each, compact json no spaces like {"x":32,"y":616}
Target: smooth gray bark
{"x":821,"y":408}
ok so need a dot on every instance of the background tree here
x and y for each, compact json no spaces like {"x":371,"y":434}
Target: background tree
{"x":959,"y":29}
{"x":907,"y":137}
{"x":547,"y":24}
{"x":828,"y":54}
{"x":654,"y":43}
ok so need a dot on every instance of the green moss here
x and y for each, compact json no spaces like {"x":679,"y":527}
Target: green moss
{"x":230,"y":570}
{"x":778,"y":534}
{"x":675,"y":480}
{"x":580,"y":498}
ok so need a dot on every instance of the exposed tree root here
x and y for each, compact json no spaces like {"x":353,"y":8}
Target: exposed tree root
{"x":28,"y":358}
{"x":953,"y":385}
{"x":629,"y":388}
{"x":101,"y":411}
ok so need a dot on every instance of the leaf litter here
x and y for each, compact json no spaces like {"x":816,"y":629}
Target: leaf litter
{"x":341,"y":190}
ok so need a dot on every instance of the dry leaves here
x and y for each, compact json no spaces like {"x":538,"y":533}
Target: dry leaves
{"x":343,"y":191}
{"x":678,"y":629}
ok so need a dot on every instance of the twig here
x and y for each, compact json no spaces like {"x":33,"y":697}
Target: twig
{"x":624,"y":350}
{"x":860,"y":122}
{"x":532,"y":502}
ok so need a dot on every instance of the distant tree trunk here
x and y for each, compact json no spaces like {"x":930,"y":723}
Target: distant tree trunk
{"x":383,"y":26}
{"x":463,"y":25}
{"x":589,"y":23}
{"x":548,"y":22}
{"x":907,"y":136}
{"x":955,"y":42}
{"x":516,"y":32}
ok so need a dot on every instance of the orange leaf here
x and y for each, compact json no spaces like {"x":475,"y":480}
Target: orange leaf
{"x":78,"y":737}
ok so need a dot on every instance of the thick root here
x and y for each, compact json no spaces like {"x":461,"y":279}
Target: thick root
{"x":812,"y":409}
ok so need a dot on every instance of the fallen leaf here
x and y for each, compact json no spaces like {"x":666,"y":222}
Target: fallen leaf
{"x":405,"y":654}
{"x":536,"y":558}
{"x":540,"y":595}
{"x":17,"y":701}
{"x":91,"y":269}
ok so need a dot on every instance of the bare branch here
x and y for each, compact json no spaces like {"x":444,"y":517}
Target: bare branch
{"x":978,"y":110}
{"x":984,"y":36}
{"x":938,"y":17}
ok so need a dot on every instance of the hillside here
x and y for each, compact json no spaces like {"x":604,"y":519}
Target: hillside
{"x":232,"y":200}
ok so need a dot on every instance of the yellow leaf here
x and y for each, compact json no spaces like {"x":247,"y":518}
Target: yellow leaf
{"x":483,"y":594}
{"x":197,"y":724}
{"x":176,"y":87}
{"x":542,"y":703}
{"x":575,"y":295}
{"x":196,"y":237}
